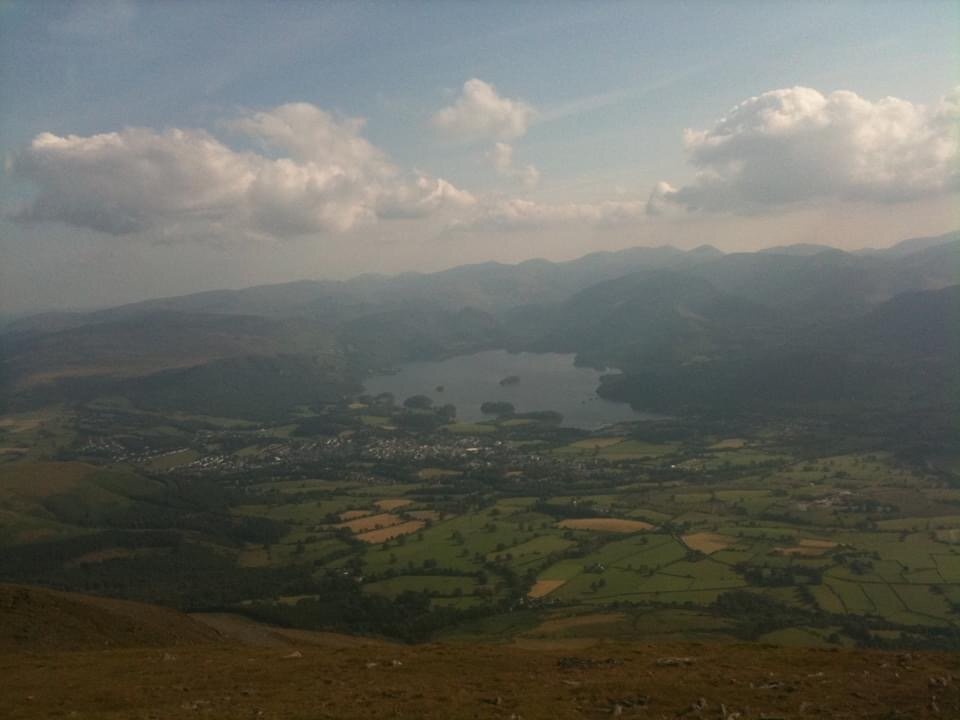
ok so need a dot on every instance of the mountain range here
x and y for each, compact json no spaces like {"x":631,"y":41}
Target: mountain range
{"x":785,"y":329}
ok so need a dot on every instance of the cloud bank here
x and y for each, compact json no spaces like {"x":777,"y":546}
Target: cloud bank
{"x":315,"y":173}
{"x":302,"y":171}
{"x":521,"y":214}
{"x":795,"y":145}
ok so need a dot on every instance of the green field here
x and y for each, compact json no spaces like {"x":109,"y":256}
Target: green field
{"x":824,"y":540}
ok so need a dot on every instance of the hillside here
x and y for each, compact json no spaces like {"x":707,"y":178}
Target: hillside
{"x":161,"y":664}
{"x":40,"y":620}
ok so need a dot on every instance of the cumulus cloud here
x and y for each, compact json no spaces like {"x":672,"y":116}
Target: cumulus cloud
{"x":796,"y":145}
{"x":315,"y":173}
{"x":123,"y":182}
{"x":501,"y":155}
{"x":480,"y":113}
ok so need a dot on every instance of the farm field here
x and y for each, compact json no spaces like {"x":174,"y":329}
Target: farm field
{"x":739,"y":535}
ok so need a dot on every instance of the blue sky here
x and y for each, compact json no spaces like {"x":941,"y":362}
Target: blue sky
{"x":611,"y":87}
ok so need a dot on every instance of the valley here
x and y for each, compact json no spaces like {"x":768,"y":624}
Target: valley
{"x":368,"y":458}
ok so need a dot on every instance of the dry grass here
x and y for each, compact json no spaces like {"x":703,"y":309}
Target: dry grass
{"x":807,"y":548}
{"x":370,"y":522}
{"x":559,"y":624}
{"x":392,"y":503}
{"x":354,"y":514}
{"x":253,"y":557}
{"x":615,"y":525}
{"x":707,"y":542}
{"x":388,"y":533}
{"x":424,"y":514}
{"x":544,"y":587}
{"x":824,"y":544}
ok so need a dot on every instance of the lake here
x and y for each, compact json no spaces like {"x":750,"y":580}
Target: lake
{"x":541,"y":381}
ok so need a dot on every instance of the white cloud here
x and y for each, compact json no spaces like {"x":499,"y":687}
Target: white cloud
{"x":501,"y":155}
{"x":123,"y":182}
{"x":482,"y":114}
{"x":316,"y":174}
{"x":796,"y":145}
{"x":309,"y":134}
{"x":422,"y":198}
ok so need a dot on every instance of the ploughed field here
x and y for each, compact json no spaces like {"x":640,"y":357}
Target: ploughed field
{"x":113,"y":661}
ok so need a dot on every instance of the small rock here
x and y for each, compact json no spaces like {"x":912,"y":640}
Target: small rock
{"x":294,"y":654}
{"x":674,"y":661}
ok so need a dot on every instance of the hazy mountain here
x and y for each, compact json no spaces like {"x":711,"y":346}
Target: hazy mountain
{"x":699,"y":318}
{"x":653,"y":315}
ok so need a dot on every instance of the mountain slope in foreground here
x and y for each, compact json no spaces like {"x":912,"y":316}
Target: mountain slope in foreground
{"x":68,"y":655}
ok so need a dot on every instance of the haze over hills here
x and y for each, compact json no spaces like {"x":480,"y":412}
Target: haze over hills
{"x":641,"y":310}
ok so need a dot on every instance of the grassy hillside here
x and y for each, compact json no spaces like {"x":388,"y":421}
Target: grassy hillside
{"x":114,"y":660}
{"x":40,"y":620}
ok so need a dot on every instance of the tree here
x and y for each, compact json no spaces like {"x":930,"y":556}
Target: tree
{"x":494,"y":407}
{"x":448,"y":412}
{"x":418,"y":402}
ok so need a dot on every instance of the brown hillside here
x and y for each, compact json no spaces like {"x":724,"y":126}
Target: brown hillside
{"x":49,"y":670}
{"x":655,"y":682}
{"x":37,"y":619}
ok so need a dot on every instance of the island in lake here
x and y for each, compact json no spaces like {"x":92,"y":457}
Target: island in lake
{"x":510,"y":380}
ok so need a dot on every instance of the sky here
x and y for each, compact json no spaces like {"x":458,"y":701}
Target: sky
{"x":165,"y":147}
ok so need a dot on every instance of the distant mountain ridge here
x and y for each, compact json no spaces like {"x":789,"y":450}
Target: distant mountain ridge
{"x":640,"y":309}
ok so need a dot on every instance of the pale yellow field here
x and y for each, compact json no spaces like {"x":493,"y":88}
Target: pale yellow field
{"x":392,"y":503}
{"x":254,"y":557}
{"x":617,"y":525}
{"x":544,"y":587}
{"x":371,"y":522}
{"x":565,"y":623}
{"x":811,"y":543}
{"x":388,"y":533}
{"x":595,"y":443}
{"x":808,"y":548}
{"x":434,"y":473}
{"x":707,"y":542}
{"x":353,"y":514}
{"x":729,"y":444}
